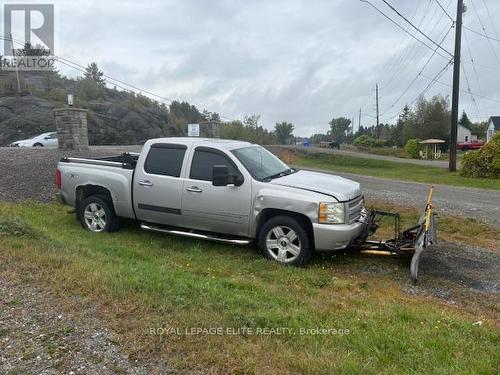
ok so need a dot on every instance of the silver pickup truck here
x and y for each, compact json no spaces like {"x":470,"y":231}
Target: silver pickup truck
{"x":228,"y":191}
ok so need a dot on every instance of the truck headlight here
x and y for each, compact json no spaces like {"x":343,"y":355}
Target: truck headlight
{"x":331,"y":213}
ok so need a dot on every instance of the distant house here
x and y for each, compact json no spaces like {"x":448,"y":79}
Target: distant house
{"x":464,"y":134}
{"x":493,"y":127}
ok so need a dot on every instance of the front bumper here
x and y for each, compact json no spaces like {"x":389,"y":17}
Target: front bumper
{"x":336,"y":236}
{"x":339,"y":236}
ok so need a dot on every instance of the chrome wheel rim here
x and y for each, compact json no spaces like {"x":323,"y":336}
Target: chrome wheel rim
{"x":283,"y":244}
{"x":95,"y":217}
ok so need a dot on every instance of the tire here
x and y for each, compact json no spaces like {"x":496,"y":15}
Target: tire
{"x":96,"y":214}
{"x":284,"y":240}
{"x":37,"y":145}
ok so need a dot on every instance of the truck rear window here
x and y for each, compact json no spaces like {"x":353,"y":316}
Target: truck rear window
{"x":165,"y":161}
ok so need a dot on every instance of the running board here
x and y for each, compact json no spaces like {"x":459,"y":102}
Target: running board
{"x":199,"y":236}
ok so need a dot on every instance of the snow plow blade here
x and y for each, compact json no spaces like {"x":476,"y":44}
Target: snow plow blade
{"x":426,"y":236}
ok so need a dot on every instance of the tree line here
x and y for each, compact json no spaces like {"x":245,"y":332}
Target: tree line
{"x":428,"y":118}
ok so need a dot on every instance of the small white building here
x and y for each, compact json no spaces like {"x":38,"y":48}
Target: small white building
{"x":493,"y":127}
{"x":464,"y":134}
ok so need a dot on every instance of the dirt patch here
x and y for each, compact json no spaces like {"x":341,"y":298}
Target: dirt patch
{"x":38,"y":337}
{"x":465,"y":276}
{"x":41,"y":333}
{"x":460,"y":269}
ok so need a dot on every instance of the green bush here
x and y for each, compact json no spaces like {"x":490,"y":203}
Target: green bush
{"x":413,"y":148}
{"x":367,"y":141}
{"x":485,"y":162}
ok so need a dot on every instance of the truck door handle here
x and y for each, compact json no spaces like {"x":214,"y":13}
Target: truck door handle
{"x":145,"y":183}
{"x":194,"y":189}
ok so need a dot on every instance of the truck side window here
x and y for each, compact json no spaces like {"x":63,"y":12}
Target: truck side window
{"x":164,"y":160}
{"x":203,"y":162}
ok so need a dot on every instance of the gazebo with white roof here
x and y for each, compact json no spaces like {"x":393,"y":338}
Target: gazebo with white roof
{"x":431,"y":148}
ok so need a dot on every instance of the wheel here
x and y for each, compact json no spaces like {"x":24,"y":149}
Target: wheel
{"x":97,"y":215}
{"x":465,"y":149}
{"x":285,"y":240}
{"x":37,"y":145}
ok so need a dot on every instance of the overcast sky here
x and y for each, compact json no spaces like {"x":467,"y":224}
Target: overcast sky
{"x":299,"y":61}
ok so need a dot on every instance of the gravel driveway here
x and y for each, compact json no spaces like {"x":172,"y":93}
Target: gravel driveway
{"x":29,"y":173}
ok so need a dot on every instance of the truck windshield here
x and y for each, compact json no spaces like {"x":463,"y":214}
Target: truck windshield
{"x":261,"y":164}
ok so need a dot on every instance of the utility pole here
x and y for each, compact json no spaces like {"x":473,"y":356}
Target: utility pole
{"x":456,"y":88}
{"x":17,"y":71}
{"x":378,"y":119}
{"x":359,"y":120}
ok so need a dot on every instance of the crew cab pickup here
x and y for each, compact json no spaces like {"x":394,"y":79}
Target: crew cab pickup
{"x":222,"y":190}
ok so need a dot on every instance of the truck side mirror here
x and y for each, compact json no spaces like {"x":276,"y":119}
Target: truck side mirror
{"x":220,"y":175}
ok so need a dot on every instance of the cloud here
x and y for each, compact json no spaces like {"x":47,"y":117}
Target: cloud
{"x":299,"y":61}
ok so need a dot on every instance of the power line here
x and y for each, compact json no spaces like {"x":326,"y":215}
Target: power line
{"x":427,"y":88}
{"x":491,"y":19}
{"x":488,"y":67}
{"x":482,"y":34}
{"x":484,"y":30}
{"x":388,"y":69}
{"x":402,"y":28}
{"x":434,"y":80}
{"x":416,"y":28}
{"x":474,"y":93}
{"x":469,"y":91}
{"x":445,"y":11}
{"x":473,"y":63}
{"x":407,"y":53}
{"x":418,"y":75}
{"x":119,"y":83}
{"x":116,"y":82}
{"x":412,"y":52}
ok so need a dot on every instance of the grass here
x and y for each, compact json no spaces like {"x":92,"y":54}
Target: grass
{"x":387,"y":169}
{"x":143,"y":281}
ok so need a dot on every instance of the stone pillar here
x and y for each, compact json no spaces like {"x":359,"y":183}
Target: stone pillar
{"x":72,"y":131}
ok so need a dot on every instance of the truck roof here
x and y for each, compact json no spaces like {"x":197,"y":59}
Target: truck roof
{"x":228,"y":144}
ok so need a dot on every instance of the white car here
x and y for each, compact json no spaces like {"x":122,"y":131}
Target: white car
{"x":42,"y":140}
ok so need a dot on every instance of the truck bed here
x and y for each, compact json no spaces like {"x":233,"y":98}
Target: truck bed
{"x":114,"y":173}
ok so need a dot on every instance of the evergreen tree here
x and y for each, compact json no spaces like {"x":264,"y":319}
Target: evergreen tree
{"x":465,"y":122}
{"x":92,"y":72}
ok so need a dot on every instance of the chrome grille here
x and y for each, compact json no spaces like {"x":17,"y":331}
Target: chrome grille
{"x":354,"y":208}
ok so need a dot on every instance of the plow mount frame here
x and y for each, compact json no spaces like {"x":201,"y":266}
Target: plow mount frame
{"x":411,"y":241}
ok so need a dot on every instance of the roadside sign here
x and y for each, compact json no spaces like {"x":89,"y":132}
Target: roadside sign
{"x":193,"y":130}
